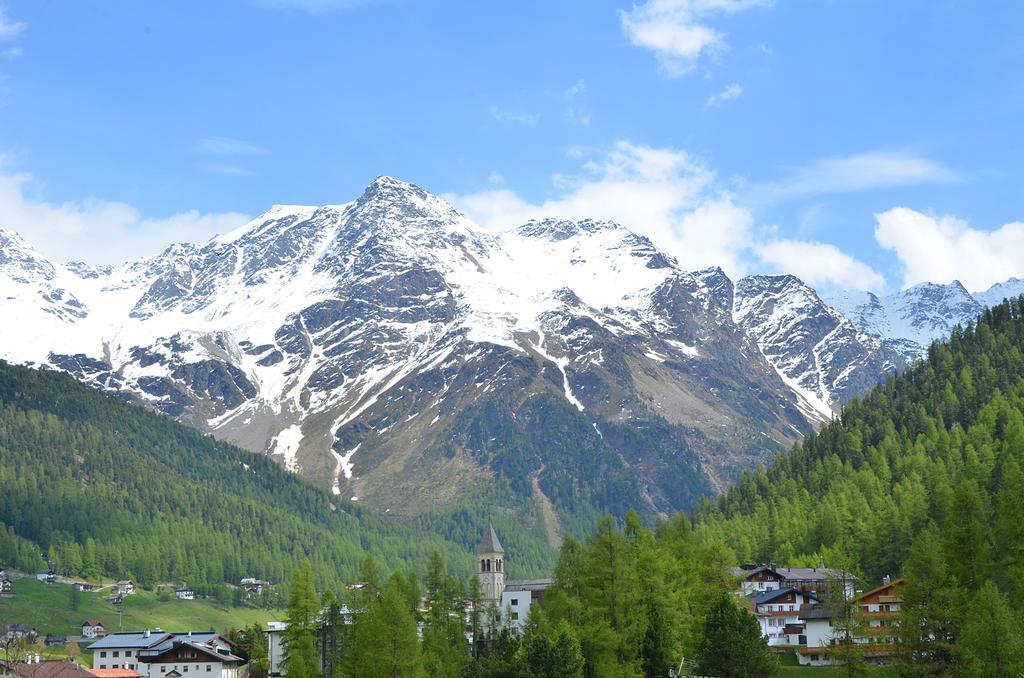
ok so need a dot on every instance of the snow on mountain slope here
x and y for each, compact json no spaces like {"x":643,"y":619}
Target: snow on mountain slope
{"x":819,"y":353}
{"x":389,"y":349}
{"x":911,"y":319}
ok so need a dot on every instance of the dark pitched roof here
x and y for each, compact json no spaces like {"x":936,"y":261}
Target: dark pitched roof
{"x":131,"y":640}
{"x":209,"y":650}
{"x":490,"y":542}
{"x":528,"y":584}
{"x":50,"y":668}
{"x":816,"y":611}
{"x":763,"y":597}
{"x":891,"y":585}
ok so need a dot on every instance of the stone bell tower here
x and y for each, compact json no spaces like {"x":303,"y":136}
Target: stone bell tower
{"x":490,"y":567}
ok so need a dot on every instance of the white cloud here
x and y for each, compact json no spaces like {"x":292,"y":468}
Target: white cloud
{"x":730,"y":92}
{"x":574,"y":90}
{"x":100,"y":231}
{"x":662,"y":193}
{"x":859,"y":172}
{"x":227,"y":146}
{"x":677,"y":31}
{"x":8,"y":28}
{"x":578,"y":116}
{"x":945,"y":248}
{"x":820,"y":265}
{"x":672,"y":198}
{"x":518,"y":117}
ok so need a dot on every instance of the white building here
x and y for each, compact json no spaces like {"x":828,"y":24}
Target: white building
{"x":185,"y":593}
{"x":275,"y":646}
{"x":778,"y":613}
{"x":158,"y":654}
{"x":124,"y":588}
{"x":517,"y":599}
{"x":93,"y":629}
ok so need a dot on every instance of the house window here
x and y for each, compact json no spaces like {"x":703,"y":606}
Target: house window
{"x":515,"y":601}
{"x":208,"y":668}
{"x":514,"y":616}
{"x":127,"y":653}
{"x":117,"y":653}
{"x":103,"y":666}
{"x":163,"y":669}
{"x":103,"y":654}
{"x":186,"y":668}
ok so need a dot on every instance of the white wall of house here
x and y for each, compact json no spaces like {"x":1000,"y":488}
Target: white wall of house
{"x":275,"y":646}
{"x":116,"y":658}
{"x":515,"y":608}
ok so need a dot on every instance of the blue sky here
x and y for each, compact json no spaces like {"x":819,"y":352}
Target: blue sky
{"x":856,"y":143}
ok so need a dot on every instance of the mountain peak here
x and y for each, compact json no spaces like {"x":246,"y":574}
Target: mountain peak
{"x":555,"y":229}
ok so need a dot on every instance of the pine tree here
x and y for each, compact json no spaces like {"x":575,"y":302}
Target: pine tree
{"x":299,"y":638}
{"x":928,"y":615}
{"x":731,"y":645}
{"x":991,"y":644}
{"x":386,"y":644}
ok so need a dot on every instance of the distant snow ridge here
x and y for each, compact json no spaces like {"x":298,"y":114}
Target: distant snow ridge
{"x":369,"y":345}
{"x":911,"y":320}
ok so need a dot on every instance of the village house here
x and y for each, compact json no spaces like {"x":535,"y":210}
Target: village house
{"x":878,"y":609}
{"x":93,"y":628}
{"x":159,"y":654}
{"x":253,"y":586}
{"x":778,"y":613}
{"x":46,"y":576}
{"x":16,"y":633}
{"x":6,"y":587}
{"x":83,"y":586}
{"x":123,"y":588}
{"x":185,"y":593}
{"x":817,"y":580}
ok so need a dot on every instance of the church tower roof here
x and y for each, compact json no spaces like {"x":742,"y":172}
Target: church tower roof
{"x":490,"y":542}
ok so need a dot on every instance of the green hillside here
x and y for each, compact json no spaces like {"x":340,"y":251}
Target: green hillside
{"x":944,"y":438}
{"x":48,"y":609}
{"x":105,"y":488}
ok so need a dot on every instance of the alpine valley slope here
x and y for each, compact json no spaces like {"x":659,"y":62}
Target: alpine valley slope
{"x":392,"y":351}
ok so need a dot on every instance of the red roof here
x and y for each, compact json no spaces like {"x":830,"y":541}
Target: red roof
{"x":115,"y":673}
{"x":92,"y":622}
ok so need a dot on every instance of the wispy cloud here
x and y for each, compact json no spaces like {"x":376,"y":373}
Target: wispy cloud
{"x":858,"y":172}
{"x":730,"y":92}
{"x":679,"y":31}
{"x":9,"y":28}
{"x":575,"y":89}
{"x":226,"y":146}
{"x":517,"y":117}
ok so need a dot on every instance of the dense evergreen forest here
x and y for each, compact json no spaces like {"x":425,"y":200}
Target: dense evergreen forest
{"x":104,"y":488}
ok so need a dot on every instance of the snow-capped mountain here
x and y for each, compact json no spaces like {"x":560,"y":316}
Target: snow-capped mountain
{"x":912,"y":319}
{"x":391,"y":350}
{"x":814,"y":348}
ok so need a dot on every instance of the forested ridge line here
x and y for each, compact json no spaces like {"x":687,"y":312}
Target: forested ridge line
{"x":112,"y":489}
